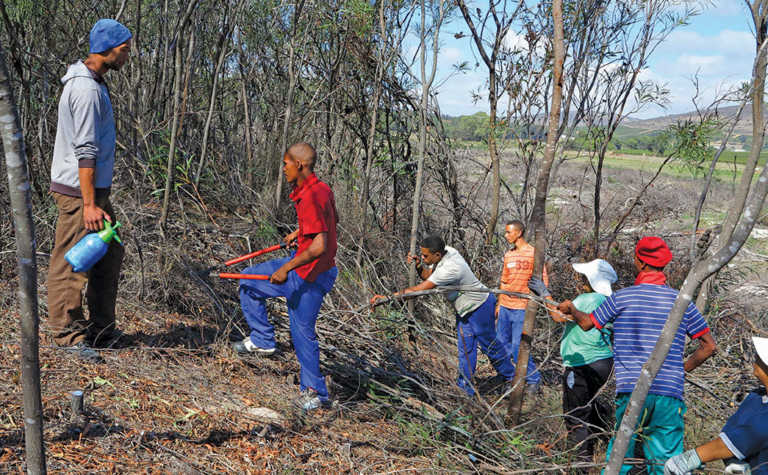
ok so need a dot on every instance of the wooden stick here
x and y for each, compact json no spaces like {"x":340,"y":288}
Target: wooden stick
{"x":453,"y":288}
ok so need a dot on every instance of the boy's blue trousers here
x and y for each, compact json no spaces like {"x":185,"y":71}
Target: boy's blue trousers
{"x":304,"y":300}
{"x":476,"y":329}
{"x":510,"y":330}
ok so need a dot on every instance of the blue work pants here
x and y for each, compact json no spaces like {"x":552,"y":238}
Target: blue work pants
{"x":476,"y":328}
{"x":509,"y":328}
{"x":303,"y":299}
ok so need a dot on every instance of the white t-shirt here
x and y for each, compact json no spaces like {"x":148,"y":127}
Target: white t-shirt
{"x":452,"y":270}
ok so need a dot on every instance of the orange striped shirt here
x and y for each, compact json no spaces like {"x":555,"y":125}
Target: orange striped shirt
{"x":517,"y":270}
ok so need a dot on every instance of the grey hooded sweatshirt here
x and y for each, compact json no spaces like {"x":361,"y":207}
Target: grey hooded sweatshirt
{"x":85,"y":135}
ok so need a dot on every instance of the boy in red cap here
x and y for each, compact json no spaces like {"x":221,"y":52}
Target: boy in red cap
{"x":638,"y":314}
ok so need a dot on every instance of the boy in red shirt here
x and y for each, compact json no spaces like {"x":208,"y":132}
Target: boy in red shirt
{"x":314,"y":273}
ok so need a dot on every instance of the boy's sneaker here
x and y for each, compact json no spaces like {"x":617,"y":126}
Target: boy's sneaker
{"x":246,"y":347}
{"x":308,"y":400}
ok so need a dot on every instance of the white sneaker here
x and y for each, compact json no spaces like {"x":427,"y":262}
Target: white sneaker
{"x":309,"y":401}
{"x":247,"y":347}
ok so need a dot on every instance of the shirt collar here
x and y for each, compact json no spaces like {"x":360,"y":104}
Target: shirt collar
{"x":651,"y":277}
{"x":299,"y":190}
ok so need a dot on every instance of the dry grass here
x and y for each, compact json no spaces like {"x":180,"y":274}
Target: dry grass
{"x":174,"y":398}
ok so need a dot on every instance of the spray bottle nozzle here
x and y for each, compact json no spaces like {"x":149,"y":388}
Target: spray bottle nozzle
{"x":109,"y":232}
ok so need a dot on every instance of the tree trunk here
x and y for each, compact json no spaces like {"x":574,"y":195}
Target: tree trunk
{"x":700,"y":272}
{"x":494,"y":153}
{"x":223,"y":43}
{"x":21,"y":204}
{"x":380,"y":68}
{"x":741,"y":228}
{"x":286,"y":121}
{"x":426,"y":85}
{"x":758,"y":89}
{"x":249,"y":165}
{"x":538,"y":214}
{"x":170,"y":167}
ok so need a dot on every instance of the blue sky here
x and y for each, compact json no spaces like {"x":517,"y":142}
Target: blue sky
{"x":718,"y":43}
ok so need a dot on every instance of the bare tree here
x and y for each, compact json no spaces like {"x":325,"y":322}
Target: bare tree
{"x":758,"y":12}
{"x":746,"y":213}
{"x":21,"y":203}
{"x":223,"y":46}
{"x":496,"y":21}
{"x":296,"y":37}
{"x":171,"y":167}
{"x":426,"y":85}
{"x":539,"y":209}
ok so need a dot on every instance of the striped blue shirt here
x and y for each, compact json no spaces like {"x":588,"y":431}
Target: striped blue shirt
{"x":638,"y":314}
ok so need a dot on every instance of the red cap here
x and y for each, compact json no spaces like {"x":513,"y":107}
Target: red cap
{"x":653,"y":251}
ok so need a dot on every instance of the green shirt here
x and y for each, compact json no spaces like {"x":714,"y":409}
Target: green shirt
{"x":579,"y":348}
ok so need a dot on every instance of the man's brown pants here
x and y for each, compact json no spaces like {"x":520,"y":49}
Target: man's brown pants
{"x":65,"y":288}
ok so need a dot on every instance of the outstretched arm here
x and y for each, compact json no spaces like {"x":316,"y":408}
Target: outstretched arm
{"x":582,"y":319}
{"x":684,"y":463}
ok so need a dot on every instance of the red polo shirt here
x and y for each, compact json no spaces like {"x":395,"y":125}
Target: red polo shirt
{"x":316,"y":212}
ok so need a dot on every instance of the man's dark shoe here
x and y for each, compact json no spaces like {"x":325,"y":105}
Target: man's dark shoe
{"x":246,"y":347}
{"x":106,"y":338}
{"x":85,"y":352}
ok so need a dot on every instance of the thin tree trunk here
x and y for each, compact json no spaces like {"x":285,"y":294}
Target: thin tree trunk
{"x":286,"y":120}
{"x":223,"y":43}
{"x":701,"y":271}
{"x":170,"y":167}
{"x":289,"y":99}
{"x":747,"y":175}
{"x":538,"y":214}
{"x":493,"y":151}
{"x":745,"y":221}
{"x":248,"y":139}
{"x":710,"y":175}
{"x":426,"y":85}
{"x":380,"y":68}
{"x":21,"y":204}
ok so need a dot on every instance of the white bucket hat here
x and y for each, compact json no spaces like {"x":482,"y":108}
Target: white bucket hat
{"x":599,"y":273}
{"x":761,"y":346}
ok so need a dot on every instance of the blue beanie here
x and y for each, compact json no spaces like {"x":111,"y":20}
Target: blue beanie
{"x":108,"y":33}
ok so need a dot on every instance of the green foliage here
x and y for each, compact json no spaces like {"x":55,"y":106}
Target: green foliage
{"x":158,"y":166}
{"x":473,"y":127}
{"x":20,"y":11}
{"x":359,"y":14}
{"x":690,"y":140}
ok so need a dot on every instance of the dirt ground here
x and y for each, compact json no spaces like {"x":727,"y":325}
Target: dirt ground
{"x":173,"y":397}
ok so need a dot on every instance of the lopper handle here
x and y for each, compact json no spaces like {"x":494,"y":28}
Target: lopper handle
{"x":242,"y":276}
{"x":254,"y":254}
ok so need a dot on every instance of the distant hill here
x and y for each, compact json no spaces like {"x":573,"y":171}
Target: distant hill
{"x":644,"y":126}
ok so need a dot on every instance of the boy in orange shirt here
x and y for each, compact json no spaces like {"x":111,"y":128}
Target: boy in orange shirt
{"x":517,"y":270}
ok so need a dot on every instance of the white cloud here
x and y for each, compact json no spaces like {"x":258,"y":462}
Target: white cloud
{"x":695,"y":63}
{"x":450,"y":55}
{"x":515,"y":41}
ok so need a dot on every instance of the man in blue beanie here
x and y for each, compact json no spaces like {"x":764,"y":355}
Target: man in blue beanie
{"x":81,"y":179}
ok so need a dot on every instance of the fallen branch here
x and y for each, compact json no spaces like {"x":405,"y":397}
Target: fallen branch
{"x":452,"y":288}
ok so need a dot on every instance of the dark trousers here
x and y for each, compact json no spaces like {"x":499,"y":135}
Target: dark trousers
{"x":584,"y":414}
{"x":65,"y":288}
